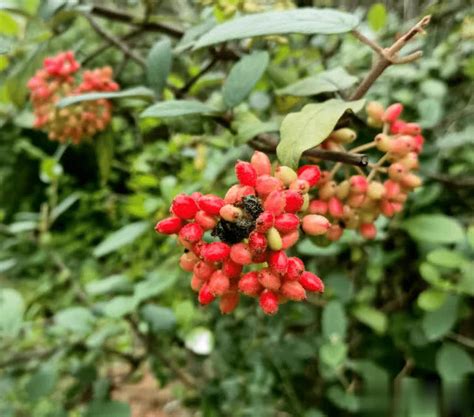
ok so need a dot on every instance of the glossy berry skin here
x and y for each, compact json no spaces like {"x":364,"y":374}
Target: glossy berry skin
{"x":169,"y":226}
{"x":315,"y":224}
{"x":275,"y":203}
{"x":293,"y":290}
{"x":229,"y":302}
{"x":310,"y":173}
{"x":203,"y":270}
{"x":264,"y":222}
{"x":311,"y":282}
{"x":289,"y":239}
{"x":269,"y":302}
{"x":295,"y":268}
{"x":392,"y":113}
{"x":191,"y":233}
{"x":257,"y":242}
{"x":206,"y":221}
{"x":184,"y":207}
{"x":219,"y":283}
{"x":240,"y":253}
{"x":249,"y":284}
{"x":211,"y":204}
{"x":269,"y":279}
{"x":231,"y":268}
{"x":287,"y":222}
{"x":261,"y":163}
{"x":188,"y":261}
{"x":293,"y":201}
{"x":215,"y":252}
{"x":278,"y":262}
{"x":205,"y":296}
{"x":246,"y":173}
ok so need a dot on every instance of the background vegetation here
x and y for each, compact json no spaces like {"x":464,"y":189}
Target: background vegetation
{"x":92,"y":299}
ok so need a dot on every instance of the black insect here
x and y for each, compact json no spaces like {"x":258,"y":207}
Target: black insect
{"x":251,"y":205}
{"x":229,"y":232}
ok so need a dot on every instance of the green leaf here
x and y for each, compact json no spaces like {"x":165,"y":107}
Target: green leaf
{"x":334,"y":321}
{"x":64,"y":205}
{"x":121,"y":237}
{"x":6,"y":264}
{"x":431,"y":299}
{"x":110,"y":285}
{"x":307,"y":128}
{"x":200,"y":341}
{"x":446,"y":258}
{"x":12,"y":308}
{"x":156,"y":283}
{"x":158,"y":65}
{"x":377,"y":16}
{"x":175,"y":108}
{"x":243,"y":76}
{"x":437,"y":323}
{"x":118,"y":307}
{"x":42,"y":383}
{"x":343,"y":399}
{"x":248,"y":126}
{"x":333,"y":353}
{"x":456,"y":139}
{"x":431,"y":112}
{"x":75,"y":319}
{"x":453,"y":363}
{"x":9,"y":26}
{"x":335,"y":79}
{"x":107,"y":409}
{"x":470,"y":235}
{"x":160,"y":319}
{"x":304,"y":20}
{"x":136,"y":92}
{"x":372,"y":317}
{"x":104,"y":146}
{"x":434,"y":228}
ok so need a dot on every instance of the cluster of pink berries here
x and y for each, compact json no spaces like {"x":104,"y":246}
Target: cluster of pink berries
{"x":55,"y":81}
{"x":256,"y":222}
{"x":358,"y":200}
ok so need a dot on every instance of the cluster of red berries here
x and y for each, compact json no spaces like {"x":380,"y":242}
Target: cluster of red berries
{"x":55,"y":81}
{"x":358,"y":200}
{"x":255,"y":223}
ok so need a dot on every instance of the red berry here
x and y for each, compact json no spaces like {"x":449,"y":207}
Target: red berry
{"x":295,"y":268}
{"x":205,"y":296}
{"x":335,"y":207}
{"x":268,"y":302}
{"x":334,"y":232}
{"x":249,"y":284}
{"x":257,"y":242}
{"x":392,"y":113}
{"x":264,"y":222}
{"x":240,"y":253}
{"x":218,"y":283}
{"x":310,"y":173}
{"x":231,"y":268}
{"x":318,"y":207}
{"x":203,"y":270}
{"x":259,"y":258}
{"x":191,"y":233}
{"x":287,"y":222}
{"x":293,"y":290}
{"x":188,"y":261}
{"x":169,"y":226}
{"x":266,"y":184}
{"x":300,"y":185}
{"x":289,"y":239}
{"x":311,"y":282}
{"x":368,"y":230}
{"x":215,"y":252}
{"x":245,"y":173}
{"x":206,"y":221}
{"x":184,"y":206}
{"x":196,"y":283}
{"x":228,"y":302}
{"x":269,"y":279}
{"x":293,"y":201}
{"x":261,"y":163}
{"x":315,"y":224}
{"x":278,"y":261}
{"x":275,"y":203}
{"x":359,"y":184}
{"x":211,"y":204}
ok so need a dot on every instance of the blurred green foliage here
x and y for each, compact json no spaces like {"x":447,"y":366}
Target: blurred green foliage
{"x":86,"y":283}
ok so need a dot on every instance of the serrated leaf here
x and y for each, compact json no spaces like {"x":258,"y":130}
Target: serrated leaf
{"x":243,"y":76}
{"x":121,"y":237}
{"x":176,"y":108}
{"x":303,"y":20}
{"x":158,"y":65}
{"x":12,"y":308}
{"x":372,"y":317}
{"x":136,"y":92}
{"x":377,"y":16}
{"x":334,"y":321}
{"x":437,"y":323}
{"x":453,"y":363}
{"x":325,"y":82}
{"x":434,"y":228}
{"x":307,"y":128}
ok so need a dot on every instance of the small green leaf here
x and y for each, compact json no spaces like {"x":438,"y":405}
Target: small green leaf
{"x":104,"y":146}
{"x":248,"y":126}
{"x":121,"y":237}
{"x":6,"y":264}
{"x":110,"y":285}
{"x":176,"y":108}
{"x":200,"y":341}
{"x":12,"y":308}
{"x":9,"y":26}
{"x":303,"y":20}
{"x":75,"y":319}
{"x":107,"y":409}
{"x":431,"y":112}
{"x":158,"y":65}
{"x":453,"y":363}
{"x":64,"y":205}
{"x":343,"y":399}
{"x":160,"y":319}
{"x":456,"y":139}
{"x":307,"y":128}
{"x":371,"y":317}
{"x":437,"y":323}
{"x":42,"y":383}
{"x":136,"y":92}
{"x":335,"y":79}
{"x":431,"y":299}
{"x":377,"y":16}
{"x":470,"y":235}
{"x":333,"y":353}
{"x":243,"y":76}
{"x":156,"y":283}
{"x":334,"y":321}
{"x":434,"y":228}
{"x":118,"y":307}
{"x":446,"y":258}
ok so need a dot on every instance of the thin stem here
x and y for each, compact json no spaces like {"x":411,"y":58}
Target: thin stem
{"x":363,"y":147}
{"x":463,"y":340}
{"x":376,"y":166}
{"x":334,"y":169}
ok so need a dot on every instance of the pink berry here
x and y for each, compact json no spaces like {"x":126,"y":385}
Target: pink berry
{"x":196,"y":283}
{"x":249,"y":284}
{"x":293,"y":290}
{"x":269,"y":279}
{"x":295,"y":268}
{"x":257,"y":242}
{"x":287,"y":222}
{"x":264,"y":222}
{"x":396,"y":171}
{"x":169,"y":226}
{"x":293,"y":201}
{"x":315,"y":224}
{"x":191,"y":233}
{"x":275,"y":203}
{"x":229,"y":302}
{"x":334,"y":232}
{"x":289,"y":239}
{"x":203,"y":270}
{"x":278,"y":261}
{"x":368,"y":230}
{"x":318,"y":207}
{"x":359,"y":184}
{"x":245,"y":173}
{"x":184,"y":206}
{"x":211,"y":204}
{"x":206,"y":221}
{"x":261,"y":163}
{"x":218,"y":283}
{"x":266,"y":184}
{"x":232,"y":194}
{"x":310,"y":173}
{"x":311,"y":282}
{"x":231,"y":268}
{"x":392,"y":113}
{"x":240,"y":253}
{"x":245,"y":190}
{"x":215,"y":252}
{"x":268,"y":302}
{"x":205,"y":296}
{"x":300,"y":185}
{"x":187,"y":261}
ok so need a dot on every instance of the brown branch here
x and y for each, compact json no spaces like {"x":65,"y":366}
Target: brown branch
{"x":116,"y":41}
{"x":124,"y":17}
{"x":388,"y":56}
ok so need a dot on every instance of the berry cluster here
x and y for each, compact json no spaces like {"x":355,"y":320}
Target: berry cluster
{"x":255,"y":223}
{"x":356,"y":201}
{"x":55,"y":81}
